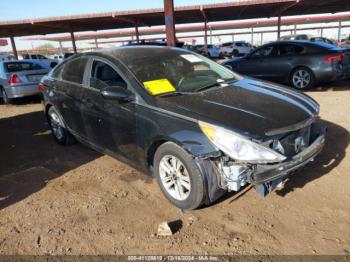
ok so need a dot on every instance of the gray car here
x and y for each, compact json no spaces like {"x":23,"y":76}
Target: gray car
{"x":300,"y":64}
{"x":20,"y":78}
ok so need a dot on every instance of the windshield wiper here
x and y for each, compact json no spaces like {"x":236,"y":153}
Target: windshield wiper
{"x":176,"y":93}
{"x":207,"y":87}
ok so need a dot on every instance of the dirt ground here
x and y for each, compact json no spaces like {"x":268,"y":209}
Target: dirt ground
{"x":72,"y":200}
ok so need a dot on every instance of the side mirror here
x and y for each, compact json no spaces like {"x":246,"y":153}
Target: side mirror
{"x":117,"y":93}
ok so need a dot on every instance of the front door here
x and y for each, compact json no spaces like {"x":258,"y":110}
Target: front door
{"x":258,"y":64}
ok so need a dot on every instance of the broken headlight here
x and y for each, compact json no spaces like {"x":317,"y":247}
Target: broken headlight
{"x":238,"y":147}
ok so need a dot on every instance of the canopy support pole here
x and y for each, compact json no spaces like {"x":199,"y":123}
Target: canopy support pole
{"x":73,"y":42}
{"x":137,"y":33}
{"x":279,"y":27}
{"x":14,"y":49}
{"x":169,"y":22}
{"x":339,"y":31}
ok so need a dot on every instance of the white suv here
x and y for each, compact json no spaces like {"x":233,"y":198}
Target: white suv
{"x":236,"y":48}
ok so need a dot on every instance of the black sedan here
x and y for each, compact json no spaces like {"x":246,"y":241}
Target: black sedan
{"x":300,"y":64}
{"x":199,"y":128}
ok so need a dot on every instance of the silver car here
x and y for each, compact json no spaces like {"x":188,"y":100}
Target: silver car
{"x":20,"y":78}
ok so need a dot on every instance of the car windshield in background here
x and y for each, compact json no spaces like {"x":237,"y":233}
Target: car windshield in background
{"x":22,"y":66}
{"x":177,"y":69}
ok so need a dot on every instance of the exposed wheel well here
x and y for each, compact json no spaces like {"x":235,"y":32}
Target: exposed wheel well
{"x":152,"y":150}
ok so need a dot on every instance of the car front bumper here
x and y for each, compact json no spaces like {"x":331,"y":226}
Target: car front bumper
{"x":266,"y":173}
{"x":21,"y":90}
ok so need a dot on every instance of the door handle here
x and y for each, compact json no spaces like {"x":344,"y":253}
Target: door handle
{"x":88,"y":102}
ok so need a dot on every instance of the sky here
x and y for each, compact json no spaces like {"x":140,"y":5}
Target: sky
{"x":27,"y":9}
{"x":23,"y":9}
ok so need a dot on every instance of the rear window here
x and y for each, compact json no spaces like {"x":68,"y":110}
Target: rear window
{"x":22,"y":66}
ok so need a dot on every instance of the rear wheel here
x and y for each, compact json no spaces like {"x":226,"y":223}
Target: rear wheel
{"x":178,"y":176}
{"x":60,"y":133}
{"x":302,"y":78}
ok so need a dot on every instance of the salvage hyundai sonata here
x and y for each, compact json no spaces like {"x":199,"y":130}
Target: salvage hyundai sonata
{"x":199,"y":128}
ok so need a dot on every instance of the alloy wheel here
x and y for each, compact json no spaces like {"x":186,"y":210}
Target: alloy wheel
{"x":174,"y":177}
{"x":301,"y":79}
{"x":56,"y":126}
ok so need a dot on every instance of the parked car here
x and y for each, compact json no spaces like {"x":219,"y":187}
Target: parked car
{"x":213,"y":51}
{"x":308,"y":37}
{"x":300,"y":64}
{"x":6,"y":57}
{"x":67,"y":55}
{"x":20,"y":78}
{"x":153,"y":43}
{"x":236,"y":48}
{"x":58,"y":57}
{"x":199,"y":128}
{"x":51,"y":62}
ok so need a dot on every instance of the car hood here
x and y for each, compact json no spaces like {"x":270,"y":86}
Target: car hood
{"x":247,"y":106}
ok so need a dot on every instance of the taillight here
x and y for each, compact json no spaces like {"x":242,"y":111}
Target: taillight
{"x":14,"y":79}
{"x":334,"y":58}
{"x":41,"y":86}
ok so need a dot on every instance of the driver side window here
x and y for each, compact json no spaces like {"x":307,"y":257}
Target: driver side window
{"x":103,"y":75}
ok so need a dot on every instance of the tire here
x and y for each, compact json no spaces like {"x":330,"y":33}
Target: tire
{"x":302,"y":78}
{"x":193,"y":193}
{"x":5,"y":98}
{"x":53,"y":64}
{"x":235,"y":53}
{"x":58,"y":130}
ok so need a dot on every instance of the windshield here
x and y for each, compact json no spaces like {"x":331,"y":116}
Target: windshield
{"x":177,"y":69}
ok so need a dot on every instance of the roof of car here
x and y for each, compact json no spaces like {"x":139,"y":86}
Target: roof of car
{"x":132,"y":48}
{"x":25,"y":61}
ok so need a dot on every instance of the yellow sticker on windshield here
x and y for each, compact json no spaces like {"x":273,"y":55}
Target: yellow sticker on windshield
{"x":159,"y":86}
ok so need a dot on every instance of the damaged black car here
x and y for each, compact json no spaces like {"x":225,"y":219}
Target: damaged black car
{"x":199,"y":128}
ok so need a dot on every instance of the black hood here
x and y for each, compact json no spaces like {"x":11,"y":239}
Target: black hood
{"x":248,"y":106}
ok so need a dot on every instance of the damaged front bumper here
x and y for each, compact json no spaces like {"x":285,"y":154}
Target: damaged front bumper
{"x":226,"y":175}
{"x":266,"y":173}
{"x":268,"y":177}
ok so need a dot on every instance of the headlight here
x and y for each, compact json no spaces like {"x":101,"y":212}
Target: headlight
{"x":238,"y":147}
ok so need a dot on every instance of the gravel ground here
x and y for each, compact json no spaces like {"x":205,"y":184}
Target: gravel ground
{"x":73,"y":200}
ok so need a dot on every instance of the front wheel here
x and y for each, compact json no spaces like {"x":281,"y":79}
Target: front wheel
{"x":302,"y":78}
{"x":60,"y":133}
{"x":178,"y":176}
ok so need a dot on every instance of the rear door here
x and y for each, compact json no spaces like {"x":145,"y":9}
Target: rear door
{"x":69,"y":90}
{"x":110,"y":124}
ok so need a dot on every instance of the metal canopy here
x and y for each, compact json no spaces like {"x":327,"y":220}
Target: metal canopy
{"x":188,"y":14}
{"x":198,"y":27}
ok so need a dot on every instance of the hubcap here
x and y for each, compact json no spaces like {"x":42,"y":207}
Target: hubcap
{"x":175,"y":177}
{"x":56,"y":126}
{"x":301,"y":79}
